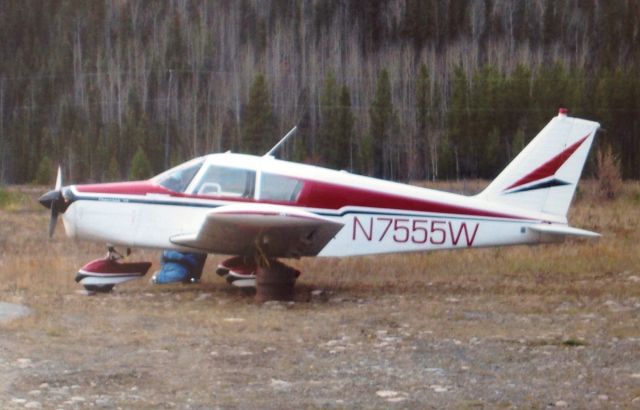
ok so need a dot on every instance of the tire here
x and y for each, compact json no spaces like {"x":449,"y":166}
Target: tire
{"x":99,"y":288}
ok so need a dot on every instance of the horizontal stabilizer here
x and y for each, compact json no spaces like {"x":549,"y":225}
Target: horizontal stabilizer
{"x":563,"y":230}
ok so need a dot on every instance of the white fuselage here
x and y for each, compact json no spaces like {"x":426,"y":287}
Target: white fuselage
{"x":151,"y":219}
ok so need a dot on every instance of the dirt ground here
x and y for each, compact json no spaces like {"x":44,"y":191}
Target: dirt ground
{"x":523,"y":327}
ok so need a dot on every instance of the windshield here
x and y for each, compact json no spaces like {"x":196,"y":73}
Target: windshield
{"x":177,"y":179}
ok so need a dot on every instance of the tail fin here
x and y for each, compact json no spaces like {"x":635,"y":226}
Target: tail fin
{"x":544,"y":176}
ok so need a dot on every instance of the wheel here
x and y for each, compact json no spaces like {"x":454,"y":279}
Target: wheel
{"x":99,"y":288}
{"x":275,"y":282}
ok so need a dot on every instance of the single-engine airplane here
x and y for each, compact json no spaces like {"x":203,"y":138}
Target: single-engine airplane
{"x":259,"y":209}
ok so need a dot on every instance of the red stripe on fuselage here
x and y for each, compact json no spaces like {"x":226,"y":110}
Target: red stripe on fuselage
{"x":325,"y":195}
{"x":125,"y":188}
{"x":315,"y":194}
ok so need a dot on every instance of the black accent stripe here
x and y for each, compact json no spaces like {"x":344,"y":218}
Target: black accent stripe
{"x":545,"y":184}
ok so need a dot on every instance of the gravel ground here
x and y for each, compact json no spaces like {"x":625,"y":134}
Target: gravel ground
{"x":207,"y":346}
{"x":540,"y":327}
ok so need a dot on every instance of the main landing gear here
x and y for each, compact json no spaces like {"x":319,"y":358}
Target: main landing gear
{"x":275,"y":281}
{"x":101,"y":275}
{"x":272,"y":279}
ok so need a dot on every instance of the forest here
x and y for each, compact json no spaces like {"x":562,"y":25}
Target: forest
{"x":397,"y":89}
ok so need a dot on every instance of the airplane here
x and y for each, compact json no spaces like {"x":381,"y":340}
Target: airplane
{"x":259,"y":209}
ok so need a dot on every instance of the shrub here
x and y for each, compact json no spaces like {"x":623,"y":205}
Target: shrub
{"x":608,"y":174}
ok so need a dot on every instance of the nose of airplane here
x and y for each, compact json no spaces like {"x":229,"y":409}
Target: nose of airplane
{"x":52,"y":198}
{"x":55,"y":201}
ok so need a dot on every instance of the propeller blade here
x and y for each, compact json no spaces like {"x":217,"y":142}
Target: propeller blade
{"x":54,"y":220}
{"x":59,"y":179}
{"x":55,"y":201}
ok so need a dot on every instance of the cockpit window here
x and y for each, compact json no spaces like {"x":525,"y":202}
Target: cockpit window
{"x":177,"y":179}
{"x":279,"y":188}
{"x":226,"y":181}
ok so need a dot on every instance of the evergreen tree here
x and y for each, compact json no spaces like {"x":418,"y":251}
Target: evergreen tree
{"x":258,"y":120}
{"x":344,"y":131}
{"x":113,"y":171}
{"x":493,"y":153}
{"x":336,"y":128}
{"x":382,"y":118}
{"x":140,"y":166}
{"x":44,"y":172}
{"x":550,"y":92}
{"x":104,"y":79}
{"x":423,"y":122}
{"x":517,"y":143}
{"x":328,"y":117}
{"x":517,"y":100}
{"x":484,"y":148}
{"x":458,"y":119}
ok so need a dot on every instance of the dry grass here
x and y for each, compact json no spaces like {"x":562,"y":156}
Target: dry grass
{"x":559,"y":321}
{"x":30,"y":262}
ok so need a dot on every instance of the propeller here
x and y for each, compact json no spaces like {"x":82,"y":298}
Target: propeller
{"x":55,"y":201}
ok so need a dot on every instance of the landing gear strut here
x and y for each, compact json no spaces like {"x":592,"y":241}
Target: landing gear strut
{"x":275,"y":281}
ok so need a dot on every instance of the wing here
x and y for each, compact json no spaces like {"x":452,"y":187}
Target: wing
{"x":273,"y":230}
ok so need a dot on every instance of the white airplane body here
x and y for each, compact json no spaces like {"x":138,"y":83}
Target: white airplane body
{"x":251,"y":206}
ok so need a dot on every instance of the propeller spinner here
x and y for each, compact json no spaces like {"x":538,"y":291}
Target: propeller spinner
{"x":55,"y":201}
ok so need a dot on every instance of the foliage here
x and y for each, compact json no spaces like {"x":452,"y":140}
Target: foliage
{"x":467,"y":82}
{"x":336,"y":129}
{"x":424,"y":124}
{"x":13,"y":199}
{"x":113,"y":170}
{"x":328,"y":117}
{"x":140,"y":166}
{"x":382,"y":117}
{"x":44,"y":172}
{"x":5,"y":198}
{"x":259,"y":123}
{"x":608,"y":174}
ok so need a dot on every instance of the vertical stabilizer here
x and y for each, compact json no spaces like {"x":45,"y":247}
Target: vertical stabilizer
{"x":544,"y":176}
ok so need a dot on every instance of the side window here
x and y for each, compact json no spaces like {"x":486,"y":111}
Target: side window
{"x":223,"y":181}
{"x":280,"y":188}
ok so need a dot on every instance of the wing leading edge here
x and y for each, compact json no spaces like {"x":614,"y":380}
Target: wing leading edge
{"x":275,"y":231}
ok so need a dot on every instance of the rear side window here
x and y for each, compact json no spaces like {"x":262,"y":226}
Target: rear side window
{"x":226,"y":181}
{"x":280,"y":188}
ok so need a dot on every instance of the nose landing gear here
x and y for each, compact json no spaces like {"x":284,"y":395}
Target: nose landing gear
{"x":101,"y":275}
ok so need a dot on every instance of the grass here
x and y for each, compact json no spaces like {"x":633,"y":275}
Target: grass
{"x":14,"y":198}
{"x":555,"y":317}
{"x":573,"y":277}
{"x":29,"y":261}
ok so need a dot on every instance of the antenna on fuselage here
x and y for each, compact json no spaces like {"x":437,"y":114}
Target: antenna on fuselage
{"x":282,"y":140}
